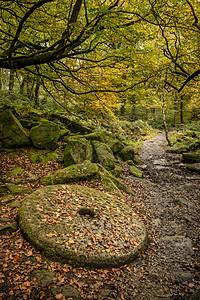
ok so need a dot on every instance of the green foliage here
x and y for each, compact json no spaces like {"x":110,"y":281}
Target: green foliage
{"x":186,"y":138}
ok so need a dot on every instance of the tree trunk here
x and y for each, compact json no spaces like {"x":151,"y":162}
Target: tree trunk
{"x":36,"y":96}
{"x":164,"y":121}
{"x":175,"y":109}
{"x":1,"y":80}
{"x":181,"y":109}
{"x":11,"y":81}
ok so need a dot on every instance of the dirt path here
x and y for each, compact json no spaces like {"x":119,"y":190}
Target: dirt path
{"x":168,"y":200}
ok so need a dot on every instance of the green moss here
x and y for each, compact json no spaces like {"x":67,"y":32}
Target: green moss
{"x":73,"y":173}
{"x":12,"y":133}
{"x":127,"y":153}
{"x":76,"y":151}
{"x":106,"y":174}
{"x":115,"y":145}
{"x":194,"y":167}
{"x":109,"y":186}
{"x":45,"y":135}
{"x":191,"y":157}
{"x":43,"y":157}
{"x":117,"y":171}
{"x":135,"y":172}
{"x":104,"y":155}
{"x":16,"y":171}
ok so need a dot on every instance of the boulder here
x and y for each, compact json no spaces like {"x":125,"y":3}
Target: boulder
{"x":191,"y":157}
{"x":135,"y":172}
{"x":115,"y":145}
{"x":19,"y":175}
{"x":12,"y":134}
{"x":106,"y":174}
{"x":110,"y":187}
{"x":77,"y":150}
{"x":117,"y":171}
{"x":93,"y":136}
{"x":43,"y":157}
{"x":104,"y":155}
{"x":45,"y":135}
{"x":72,"y":125}
{"x":127,"y":153}
{"x":15,"y":189}
{"x":194,"y":167}
{"x":73,"y":173}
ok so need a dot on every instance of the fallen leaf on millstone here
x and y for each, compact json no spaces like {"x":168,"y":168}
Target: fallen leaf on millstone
{"x":51,"y":234}
{"x":71,"y":241}
{"x":60,"y":296}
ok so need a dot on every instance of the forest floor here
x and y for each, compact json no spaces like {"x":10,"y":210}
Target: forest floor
{"x":167,"y":199}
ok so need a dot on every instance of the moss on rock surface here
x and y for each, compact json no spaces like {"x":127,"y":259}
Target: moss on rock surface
{"x":194,"y":167}
{"x":191,"y":157}
{"x":12,"y":134}
{"x":73,"y":173}
{"x":42,"y":157}
{"x":45,"y":135}
{"x":135,"y":172}
{"x":115,"y":145}
{"x":127,"y":153}
{"x":76,"y":151}
{"x":49,"y":218}
{"x":104,"y":155}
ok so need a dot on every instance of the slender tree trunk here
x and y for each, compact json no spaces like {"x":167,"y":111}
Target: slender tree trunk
{"x":22,"y":85}
{"x":11,"y":81}
{"x":1,"y":80}
{"x":164,"y":120}
{"x":36,"y":96}
{"x":175,"y":109}
{"x":181,"y":109}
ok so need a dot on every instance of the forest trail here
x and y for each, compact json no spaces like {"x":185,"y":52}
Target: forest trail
{"x":168,"y":200}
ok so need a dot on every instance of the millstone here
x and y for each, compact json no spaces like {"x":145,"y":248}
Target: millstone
{"x":112,"y":235}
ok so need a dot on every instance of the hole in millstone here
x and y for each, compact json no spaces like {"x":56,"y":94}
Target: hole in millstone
{"x":86,"y":211}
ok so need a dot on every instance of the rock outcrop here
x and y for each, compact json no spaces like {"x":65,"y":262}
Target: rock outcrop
{"x":12,"y":134}
{"x":45,"y":135}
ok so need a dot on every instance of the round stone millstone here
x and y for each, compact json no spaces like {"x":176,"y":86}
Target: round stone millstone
{"x":114,"y":235}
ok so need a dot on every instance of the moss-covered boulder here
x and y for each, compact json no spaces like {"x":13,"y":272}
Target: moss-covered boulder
{"x":12,"y":134}
{"x":74,"y":126}
{"x":110,"y":187}
{"x":15,"y":189}
{"x":194,"y":167}
{"x":45,"y":135}
{"x":117,"y":171}
{"x":73,"y":173}
{"x":103,"y":173}
{"x":103,"y":155}
{"x":94,"y":136}
{"x":191,"y":157}
{"x":50,"y":218}
{"x":42,"y":157}
{"x":133,"y":170}
{"x":127,"y":153}
{"x":115,"y":145}
{"x":19,"y":175}
{"x":77,"y":150}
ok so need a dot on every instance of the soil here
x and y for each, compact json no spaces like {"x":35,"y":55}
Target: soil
{"x":167,"y":199}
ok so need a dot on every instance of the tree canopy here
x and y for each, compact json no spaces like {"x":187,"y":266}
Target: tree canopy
{"x":94,"y":46}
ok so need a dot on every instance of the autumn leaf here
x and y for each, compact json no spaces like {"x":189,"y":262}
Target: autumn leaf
{"x":51,"y":234}
{"x":70,"y":241}
{"x":60,"y":296}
